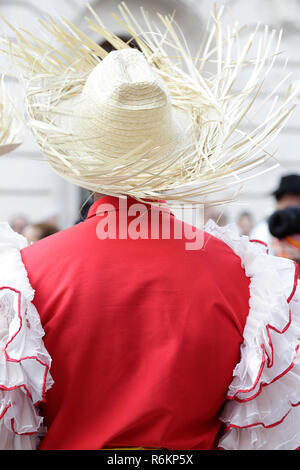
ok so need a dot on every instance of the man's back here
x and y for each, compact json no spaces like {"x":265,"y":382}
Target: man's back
{"x":144,"y":336}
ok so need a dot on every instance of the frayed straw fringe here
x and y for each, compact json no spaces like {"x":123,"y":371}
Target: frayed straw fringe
{"x":220,"y":152}
{"x":11,"y":127}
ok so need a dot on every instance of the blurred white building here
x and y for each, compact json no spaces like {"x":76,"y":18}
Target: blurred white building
{"x":30,"y":187}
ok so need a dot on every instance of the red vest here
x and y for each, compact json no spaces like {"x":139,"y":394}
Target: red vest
{"x":144,"y":333}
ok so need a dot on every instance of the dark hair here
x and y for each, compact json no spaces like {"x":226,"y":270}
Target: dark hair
{"x":46,"y":229}
{"x":130,"y":41}
{"x":285,"y":222}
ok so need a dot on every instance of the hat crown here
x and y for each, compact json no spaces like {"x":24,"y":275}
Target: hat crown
{"x":125,"y":79}
{"x":124,"y":104}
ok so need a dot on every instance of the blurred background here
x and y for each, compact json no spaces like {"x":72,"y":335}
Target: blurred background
{"x":31,"y":193}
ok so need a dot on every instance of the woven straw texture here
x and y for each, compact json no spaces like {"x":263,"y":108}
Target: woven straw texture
{"x":11,"y":127}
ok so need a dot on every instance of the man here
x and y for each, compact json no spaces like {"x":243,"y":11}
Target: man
{"x":19,"y":223}
{"x":286,"y":195}
{"x":245,"y":223}
{"x":157,"y":330}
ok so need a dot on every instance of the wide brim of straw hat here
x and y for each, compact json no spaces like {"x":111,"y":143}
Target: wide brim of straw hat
{"x":219,"y":152}
{"x":11,"y":126}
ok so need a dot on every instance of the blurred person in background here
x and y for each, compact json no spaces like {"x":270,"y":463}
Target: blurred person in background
{"x":18,"y":223}
{"x":284,"y":226}
{"x":218,"y":216}
{"x":287,"y":194}
{"x":35,"y":232}
{"x":245,"y":223}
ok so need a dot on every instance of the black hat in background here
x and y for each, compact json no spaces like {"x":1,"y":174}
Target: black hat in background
{"x":289,"y":184}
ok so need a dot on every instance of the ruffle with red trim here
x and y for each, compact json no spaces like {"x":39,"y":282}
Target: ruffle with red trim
{"x":24,"y":360}
{"x":262,"y":409}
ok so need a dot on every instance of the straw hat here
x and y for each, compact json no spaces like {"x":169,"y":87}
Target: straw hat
{"x":11,"y":129}
{"x":153,"y":124}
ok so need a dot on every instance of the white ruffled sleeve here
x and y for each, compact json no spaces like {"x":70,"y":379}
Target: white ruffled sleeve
{"x":24,"y":361}
{"x":262,"y":410}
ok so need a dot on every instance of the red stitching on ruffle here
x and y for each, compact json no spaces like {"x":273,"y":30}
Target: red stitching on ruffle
{"x":12,"y":423}
{"x":233,"y":397}
{"x":266,"y":426}
{"x":5,"y":410}
{"x":261,"y":242}
{"x":270,"y":362}
{"x":47,"y":368}
{"x":8,"y":389}
{"x":295,"y":283}
{"x":268,"y":326}
{"x":263,"y":384}
{"x":20,"y":434}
